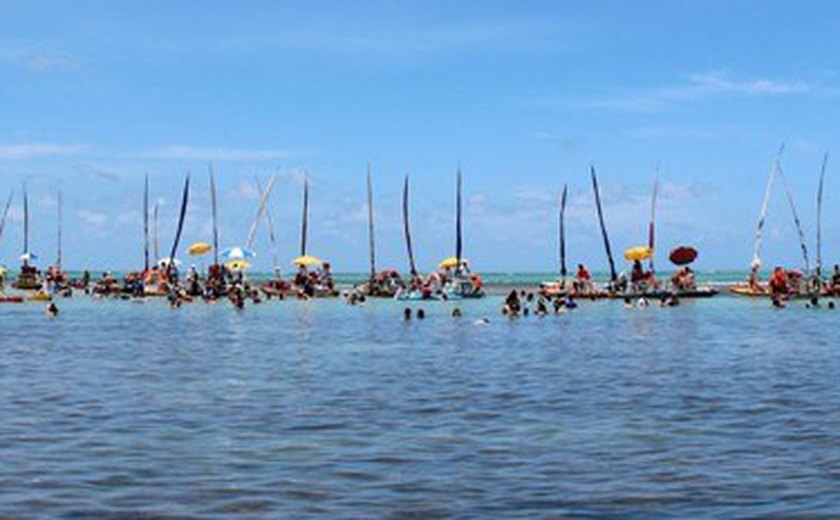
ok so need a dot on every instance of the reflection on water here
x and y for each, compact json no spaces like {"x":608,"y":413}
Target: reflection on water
{"x":715,"y":408}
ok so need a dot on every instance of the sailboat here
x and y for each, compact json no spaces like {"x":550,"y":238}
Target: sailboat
{"x":311,"y":284}
{"x":56,"y":276}
{"x":387,"y":283}
{"x":799,"y":286}
{"x":29,"y":278}
{"x":463,"y":282}
{"x":4,"y":298}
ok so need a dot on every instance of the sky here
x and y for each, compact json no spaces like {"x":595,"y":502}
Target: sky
{"x":522,"y":96}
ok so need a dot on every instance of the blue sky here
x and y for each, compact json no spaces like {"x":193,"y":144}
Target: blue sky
{"x":523,"y":95}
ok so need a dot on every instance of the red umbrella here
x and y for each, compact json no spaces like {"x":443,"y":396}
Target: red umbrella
{"x":683,"y":255}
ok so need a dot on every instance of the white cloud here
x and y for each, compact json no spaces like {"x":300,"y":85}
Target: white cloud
{"x":21,"y":151}
{"x":92,"y":218}
{"x":46,"y":62}
{"x":701,"y":86}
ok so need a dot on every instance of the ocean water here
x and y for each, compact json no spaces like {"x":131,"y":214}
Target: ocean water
{"x":717,"y":408}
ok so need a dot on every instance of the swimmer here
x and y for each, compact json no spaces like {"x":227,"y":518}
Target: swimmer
{"x":51,"y":310}
{"x":421,"y":314}
{"x":777,"y":303}
{"x":571,"y":304}
{"x":831,"y":305}
{"x":628,"y":303}
{"x":456,"y":313}
{"x":407,"y":314}
{"x":481,"y":321}
{"x":643,"y":302}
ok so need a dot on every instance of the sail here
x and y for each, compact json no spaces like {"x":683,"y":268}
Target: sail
{"x":146,"y":224}
{"x":25,"y":221}
{"x":58,"y":236}
{"x":305,"y":219}
{"x":371,"y":242}
{"x":613,"y":274}
{"x":651,"y":226}
{"x":213,"y":205}
{"x":756,"y":261}
{"x":796,"y":220}
{"x":184,"y":201}
{"x":563,"y":270}
{"x":6,"y":213}
{"x":252,"y":233}
{"x":818,"y":267}
{"x":269,"y":226}
{"x":459,"y":241}
{"x":407,"y":229}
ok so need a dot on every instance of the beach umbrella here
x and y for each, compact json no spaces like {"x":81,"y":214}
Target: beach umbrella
{"x":451,"y":263}
{"x":28,"y":257}
{"x":163,"y":263}
{"x":639,"y":253}
{"x":238,"y":253}
{"x":199,"y":248}
{"x":307,"y":260}
{"x":237,"y":265}
{"x":3,"y":271}
{"x":683,"y":255}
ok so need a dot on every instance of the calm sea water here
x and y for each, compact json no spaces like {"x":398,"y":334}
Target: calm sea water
{"x":717,"y":408}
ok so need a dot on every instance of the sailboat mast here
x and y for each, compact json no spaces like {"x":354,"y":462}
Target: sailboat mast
{"x":407,"y":229}
{"x":819,"y":217}
{"x":270,"y":226}
{"x":215,"y":216}
{"x":756,"y":261}
{"x":371,"y":239}
{"x":146,"y":224}
{"x":613,"y":275}
{"x":156,"y":241}
{"x":563,"y":271}
{"x":25,"y":221}
{"x":184,"y":201}
{"x":264,"y":195}
{"x":58,"y":237}
{"x":458,"y":232}
{"x":305,"y":220}
{"x":6,"y":213}
{"x":796,"y":221}
{"x":651,"y":226}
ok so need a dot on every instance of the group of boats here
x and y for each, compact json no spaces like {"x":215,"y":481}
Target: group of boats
{"x":453,"y":280}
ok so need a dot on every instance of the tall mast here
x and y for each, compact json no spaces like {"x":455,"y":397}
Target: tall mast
{"x":458,"y":232}
{"x":371,"y":243}
{"x":305,"y":220}
{"x":819,"y":216}
{"x":796,"y":221}
{"x":25,"y":222}
{"x":58,"y":237}
{"x":407,"y":229}
{"x":6,"y":213}
{"x":651,"y":226}
{"x":270,"y":226}
{"x":156,"y":241}
{"x":563,"y":271}
{"x":613,"y":275}
{"x":756,"y":261}
{"x":146,"y":224}
{"x":184,"y":201}
{"x":215,"y":216}
{"x":264,"y":195}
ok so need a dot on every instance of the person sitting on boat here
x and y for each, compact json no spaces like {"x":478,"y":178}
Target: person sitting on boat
{"x":796,"y":282}
{"x":325,"y":277}
{"x":583,"y":278}
{"x":637,"y":276}
{"x":753,"y":280}
{"x":779,"y":283}
{"x":477,"y":283}
{"x":835,"y":281}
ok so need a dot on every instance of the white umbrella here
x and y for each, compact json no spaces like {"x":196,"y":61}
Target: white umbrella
{"x":28,"y":257}
{"x":238,"y":253}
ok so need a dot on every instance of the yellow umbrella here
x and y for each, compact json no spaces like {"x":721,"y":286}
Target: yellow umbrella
{"x":237,"y":265}
{"x":199,"y":248}
{"x":307,"y":260}
{"x":450,"y":263}
{"x":3,"y":271}
{"x":640,"y":253}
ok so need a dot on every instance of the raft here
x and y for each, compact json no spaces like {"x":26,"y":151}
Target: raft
{"x":11,"y":299}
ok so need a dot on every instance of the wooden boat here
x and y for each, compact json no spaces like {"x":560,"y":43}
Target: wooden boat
{"x":8,"y":298}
